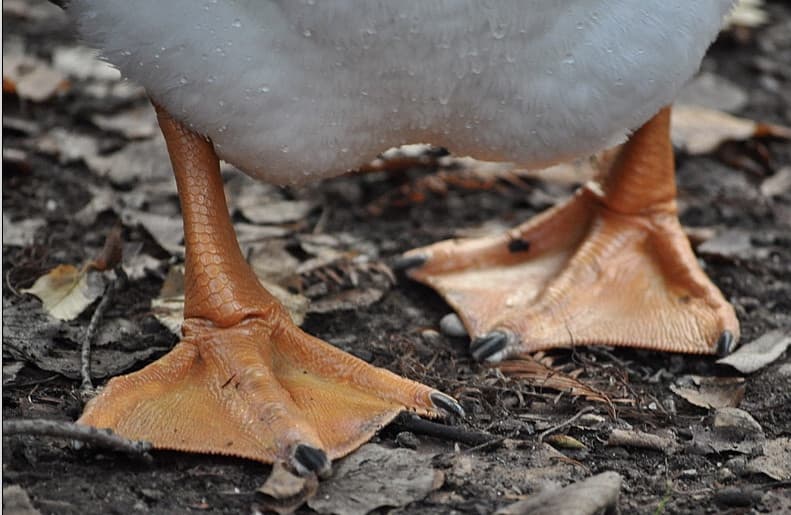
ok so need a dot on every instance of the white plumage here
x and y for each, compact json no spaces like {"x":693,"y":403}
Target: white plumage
{"x":295,"y":90}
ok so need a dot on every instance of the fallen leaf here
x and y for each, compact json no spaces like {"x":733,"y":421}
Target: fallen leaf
{"x":284,"y":492}
{"x":711,"y":91}
{"x":15,"y":498}
{"x":759,"y":353}
{"x":65,"y":291}
{"x":560,"y":441}
{"x":730,"y":244}
{"x":67,"y":146}
{"x":731,"y":430}
{"x":32,"y":78}
{"x":274,"y":213}
{"x":347,"y":300}
{"x":83,"y":63}
{"x":31,"y":336}
{"x":597,"y":494}
{"x":710,"y":392}
{"x":776,"y":460}
{"x":138,"y":161}
{"x":777,"y":184}
{"x":543,"y":376}
{"x":375,"y":477}
{"x":136,"y":123}
{"x":747,"y":13}
{"x":698,"y":130}
{"x":22,"y":232}
{"x":642,"y":440}
{"x":10,"y":370}
{"x":167,"y":231}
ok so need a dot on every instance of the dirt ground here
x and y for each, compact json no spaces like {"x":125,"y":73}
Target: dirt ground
{"x":723,"y":190}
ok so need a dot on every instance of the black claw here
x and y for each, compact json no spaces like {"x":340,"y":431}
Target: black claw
{"x":725,"y":344}
{"x":407,"y":262}
{"x":447,"y":404}
{"x":486,"y":346}
{"x":311,"y":459}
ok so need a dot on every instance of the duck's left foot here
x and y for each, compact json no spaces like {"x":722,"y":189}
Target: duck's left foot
{"x":611,"y":265}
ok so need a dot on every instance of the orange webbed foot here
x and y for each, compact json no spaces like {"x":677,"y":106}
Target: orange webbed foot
{"x":612,"y":265}
{"x":261,"y":389}
{"x":245,"y":381}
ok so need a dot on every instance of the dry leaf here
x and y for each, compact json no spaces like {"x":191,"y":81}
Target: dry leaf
{"x":597,"y":494}
{"x":713,"y":92}
{"x":32,"y":79}
{"x":273,"y":213}
{"x":710,"y":392}
{"x":65,"y":291}
{"x":777,"y":184}
{"x":542,"y":376}
{"x":22,"y":232}
{"x":730,"y":244}
{"x":698,"y":130}
{"x":776,"y":460}
{"x":284,"y":492}
{"x":759,"y":353}
{"x":560,"y":441}
{"x":375,"y":477}
{"x":16,"y":500}
{"x":136,"y":123}
{"x":83,"y":63}
{"x":747,"y":13}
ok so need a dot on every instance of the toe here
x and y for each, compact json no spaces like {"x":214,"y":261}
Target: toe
{"x":446,"y":404}
{"x":486,"y":347}
{"x":307,"y":459}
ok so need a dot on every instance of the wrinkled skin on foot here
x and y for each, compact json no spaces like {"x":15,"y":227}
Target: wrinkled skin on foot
{"x":611,"y":266}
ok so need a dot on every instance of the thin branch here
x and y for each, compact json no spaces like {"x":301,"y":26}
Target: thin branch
{"x":104,"y":438}
{"x":417,"y":425}
{"x":586,"y":409}
{"x":86,"y":386}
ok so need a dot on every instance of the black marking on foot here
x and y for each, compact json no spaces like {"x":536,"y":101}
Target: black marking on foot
{"x":407,"y":262}
{"x":446,"y":404}
{"x":488,"y":345}
{"x":310,"y":459}
{"x":518,"y":245}
{"x":725,"y":344}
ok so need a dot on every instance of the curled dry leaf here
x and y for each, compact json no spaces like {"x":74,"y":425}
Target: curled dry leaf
{"x":284,"y":492}
{"x":698,"y":130}
{"x":65,"y":291}
{"x":543,"y":376}
{"x":31,"y":78}
{"x":776,"y":460}
{"x":759,"y":353}
{"x":375,"y":477}
{"x":710,"y":392}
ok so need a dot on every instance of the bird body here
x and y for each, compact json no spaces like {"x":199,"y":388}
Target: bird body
{"x":292,"y":91}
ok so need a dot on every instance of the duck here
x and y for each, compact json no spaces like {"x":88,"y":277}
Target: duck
{"x":294,"y":92}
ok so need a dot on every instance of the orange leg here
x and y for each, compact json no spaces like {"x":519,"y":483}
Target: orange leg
{"x":244,"y":380}
{"x":609,"y":266}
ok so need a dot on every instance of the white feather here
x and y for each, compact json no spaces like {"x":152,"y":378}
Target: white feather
{"x":294,"y":90}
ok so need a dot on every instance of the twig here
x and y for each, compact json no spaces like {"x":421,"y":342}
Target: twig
{"x":586,"y":409}
{"x":99,"y":437}
{"x":86,"y":386}
{"x":417,"y":425}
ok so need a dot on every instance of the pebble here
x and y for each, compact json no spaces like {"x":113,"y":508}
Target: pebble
{"x":451,"y":325}
{"x":407,"y":439}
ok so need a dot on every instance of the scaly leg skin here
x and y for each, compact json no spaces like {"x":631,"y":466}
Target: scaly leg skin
{"x":244,"y":380}
{"x":611,"y":266}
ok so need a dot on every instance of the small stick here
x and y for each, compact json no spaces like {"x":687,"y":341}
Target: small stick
{"x":60,"y":429}
{"x":552,"y":429}
{"x":420,"y":426}
{"x":86,"y":386}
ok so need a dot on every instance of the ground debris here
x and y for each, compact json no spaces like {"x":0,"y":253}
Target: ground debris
{"x":730,"y":430}
{"x":17,"y":502}
{"x":698,"y":130}
{"x":775,"y":461}
{"x":375,"y":477}
{"x":590,"y":496}
{"x":710,"y":392}
{"x":759,"y":353}
{"x":640,"y":439}
{"x":284,"y":492}
{"x":66,"y":291}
